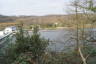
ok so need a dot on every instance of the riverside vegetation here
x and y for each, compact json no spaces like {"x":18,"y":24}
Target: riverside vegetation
{"x":33,"y":50}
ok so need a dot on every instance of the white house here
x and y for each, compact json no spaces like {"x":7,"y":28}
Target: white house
{"x":1,"y":33}
{"x":10,"y":29}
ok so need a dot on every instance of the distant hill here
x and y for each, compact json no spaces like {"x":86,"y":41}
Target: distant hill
{"x":4,"y":19}
{"x":34,"y":19}
{"x":48,"y":19}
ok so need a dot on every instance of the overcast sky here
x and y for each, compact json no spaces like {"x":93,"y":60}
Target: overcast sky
{"x":33,"y":7}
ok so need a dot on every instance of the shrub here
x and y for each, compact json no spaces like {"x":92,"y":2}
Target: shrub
{"x":25,"y":43}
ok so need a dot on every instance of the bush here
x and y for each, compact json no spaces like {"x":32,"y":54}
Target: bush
{"x":25,"y":43}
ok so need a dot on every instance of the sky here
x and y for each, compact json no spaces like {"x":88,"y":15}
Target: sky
{"x":33,"y":7}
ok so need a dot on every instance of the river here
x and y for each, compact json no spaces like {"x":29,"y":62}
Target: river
{"x":60,"y":39}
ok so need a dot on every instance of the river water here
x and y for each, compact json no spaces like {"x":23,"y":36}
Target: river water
{"x":60,"y":39}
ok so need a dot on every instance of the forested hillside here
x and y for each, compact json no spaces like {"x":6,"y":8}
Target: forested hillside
{"x":62,"y":20}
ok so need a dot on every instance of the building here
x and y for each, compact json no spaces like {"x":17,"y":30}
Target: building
{"x":10,"y":29}
{"x":1,"y":33}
